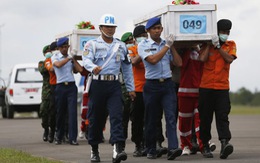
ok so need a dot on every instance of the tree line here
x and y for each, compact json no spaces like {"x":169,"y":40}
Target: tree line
{"x":245,"y":97}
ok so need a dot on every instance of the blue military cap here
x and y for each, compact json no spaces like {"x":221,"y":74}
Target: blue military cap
{"x":62,"y":41}
{"x":152,"y":22}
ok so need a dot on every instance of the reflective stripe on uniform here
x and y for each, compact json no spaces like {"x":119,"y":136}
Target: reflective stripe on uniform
{"x":184,"y":134}
{"x":188,"y":90}
{"x":197,"y":129}
{"x":196,"y":111}
{"x":186,"y":115}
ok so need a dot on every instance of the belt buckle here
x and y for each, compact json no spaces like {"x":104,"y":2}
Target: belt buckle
{"x":111,"y":77}
{"x":105,"y":77}
{"x":161,"y":80}
{"x":66,"y":83}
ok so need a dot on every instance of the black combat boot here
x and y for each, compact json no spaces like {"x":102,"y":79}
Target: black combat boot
{"x":45,"y":134}
{"x":51,"y":135}
{"x":226,"y":149}
{"x":119,"y":153}
{"x":173,"y":153}
{"x":206,"y":152}
{"x":94,"y":154}
{"x":138,"y":150}
{"x":160,"y":149}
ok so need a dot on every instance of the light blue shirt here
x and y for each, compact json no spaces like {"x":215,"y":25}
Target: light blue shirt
{"x":161,"y":69}
{"x":64,"y":73}
{"x":97,"y":51}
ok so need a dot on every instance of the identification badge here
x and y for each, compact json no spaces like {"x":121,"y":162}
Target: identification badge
{"x":118,"y":57}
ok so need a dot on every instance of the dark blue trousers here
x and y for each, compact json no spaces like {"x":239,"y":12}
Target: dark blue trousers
{"x":158,"y":95}
{"x":66,"y":101}
{"x":105,"y":99}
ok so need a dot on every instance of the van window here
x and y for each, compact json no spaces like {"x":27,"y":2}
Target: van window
{"x":28,"y":75}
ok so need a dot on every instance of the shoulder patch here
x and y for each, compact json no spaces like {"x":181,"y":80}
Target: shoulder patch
{"x":86,"y":52}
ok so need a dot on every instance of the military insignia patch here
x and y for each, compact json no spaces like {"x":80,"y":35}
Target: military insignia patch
{"x":86,"y":52}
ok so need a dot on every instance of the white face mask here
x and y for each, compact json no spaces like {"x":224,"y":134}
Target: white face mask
{"x":55,"y":52}
{"x":129,"y":45}
{"x":139,"y":39}
{"x":223,"y":37}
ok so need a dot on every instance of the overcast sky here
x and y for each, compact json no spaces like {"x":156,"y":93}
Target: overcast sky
{"x":28,"y":25}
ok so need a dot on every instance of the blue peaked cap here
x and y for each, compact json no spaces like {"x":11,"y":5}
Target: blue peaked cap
{"x":153,"y":21}
{"x":62,"y":41}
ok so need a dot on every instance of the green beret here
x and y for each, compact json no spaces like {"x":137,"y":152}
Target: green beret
{"x":127,"y":36}
{"x":45,"y":48}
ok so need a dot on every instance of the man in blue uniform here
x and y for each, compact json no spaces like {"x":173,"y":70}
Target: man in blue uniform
{"x":65,"y":91}
{"x":157,"y":55}
{"x":103,"y":57}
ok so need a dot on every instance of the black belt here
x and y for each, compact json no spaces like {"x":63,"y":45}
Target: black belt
{"x":161,"y":80}
{"x":66,"y":83}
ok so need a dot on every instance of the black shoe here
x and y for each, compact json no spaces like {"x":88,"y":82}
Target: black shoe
{"x":138,"y":151}
{"x":195,"y":148}
{"x":160,"y":149}
{"x":206,"y":152}
{"x":51,"y":137}
{"x":151,"y":156}
{"x":74,"y":142}
{"x":173,"y":153}
{"x":45,"y":135}
{"x":95,"y":156}
{"x":58,"y":142}
{"x":212,"y":146}
{"x":226,"y":149}
{"x":118,"y":153}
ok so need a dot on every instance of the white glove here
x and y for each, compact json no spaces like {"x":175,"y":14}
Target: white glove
{"x":69,"y":57}
{"x":215,"y":40}
{"x":73,"y":52}
{"x":169,"y":40}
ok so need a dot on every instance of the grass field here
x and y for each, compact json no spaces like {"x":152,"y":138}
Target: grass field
{"x":244,"y":110}
{"x":14,"y":156}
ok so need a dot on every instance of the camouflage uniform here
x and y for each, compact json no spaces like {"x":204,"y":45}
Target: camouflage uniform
{"x":126,"y":108}
{"x":46,"y":92}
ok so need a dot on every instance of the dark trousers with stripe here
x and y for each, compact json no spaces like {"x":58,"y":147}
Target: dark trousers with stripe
{"x":105,"y":99}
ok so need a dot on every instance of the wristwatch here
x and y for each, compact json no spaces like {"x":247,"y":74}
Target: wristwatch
{"x":218,"y":46}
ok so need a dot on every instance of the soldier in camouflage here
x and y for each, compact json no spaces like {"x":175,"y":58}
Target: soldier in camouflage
{"x":46,"y":91}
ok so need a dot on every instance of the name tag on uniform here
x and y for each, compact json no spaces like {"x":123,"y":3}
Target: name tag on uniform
{"x":151,"y":49}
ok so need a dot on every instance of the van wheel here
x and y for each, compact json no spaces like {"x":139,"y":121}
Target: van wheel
{"x":10,"y":111}
{"x":4,"y":114}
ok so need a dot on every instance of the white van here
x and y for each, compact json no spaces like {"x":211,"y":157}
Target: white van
{"x":24,"y":87}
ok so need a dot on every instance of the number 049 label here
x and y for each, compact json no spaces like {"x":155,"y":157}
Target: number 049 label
{"x":193,"y":24}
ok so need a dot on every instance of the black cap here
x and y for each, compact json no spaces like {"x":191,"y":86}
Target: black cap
{"x":53,"y":45}
{"x":224,"y":24}
{"x":139,"y":30}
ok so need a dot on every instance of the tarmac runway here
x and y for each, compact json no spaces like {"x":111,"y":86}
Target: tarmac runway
{"x":25,"y":134}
